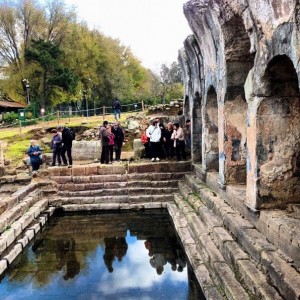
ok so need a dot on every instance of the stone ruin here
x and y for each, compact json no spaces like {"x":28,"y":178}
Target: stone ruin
{"x":241,"y":74}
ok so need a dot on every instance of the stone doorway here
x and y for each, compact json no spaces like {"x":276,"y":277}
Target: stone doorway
{"x":278,"y":136}
{"x":211,"y":145}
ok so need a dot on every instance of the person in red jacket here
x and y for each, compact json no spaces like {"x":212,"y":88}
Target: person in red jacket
{"x":145,"y":142}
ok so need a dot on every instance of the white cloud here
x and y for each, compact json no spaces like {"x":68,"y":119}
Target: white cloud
{"x":154,"y":29}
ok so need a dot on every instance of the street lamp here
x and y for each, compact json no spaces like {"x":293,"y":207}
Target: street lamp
{"x":26,"y":86}
{"x":84,"y":98}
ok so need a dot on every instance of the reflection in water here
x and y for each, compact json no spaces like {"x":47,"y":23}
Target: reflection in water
{"x":103,"y":256}
{"x":162,"y":251}
{"x":66,"y":258}
{"x":114,"y":247}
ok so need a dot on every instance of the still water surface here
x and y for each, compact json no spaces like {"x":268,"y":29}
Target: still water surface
{"x":134,"y":255}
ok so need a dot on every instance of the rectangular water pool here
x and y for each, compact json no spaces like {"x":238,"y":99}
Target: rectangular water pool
{"x":132,"y":255}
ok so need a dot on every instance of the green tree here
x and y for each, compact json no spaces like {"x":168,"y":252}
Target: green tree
{"x":171,"y":81}
{"x":51,"y":72}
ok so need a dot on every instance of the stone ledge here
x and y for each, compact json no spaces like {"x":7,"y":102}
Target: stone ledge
{"x":232,"y":287}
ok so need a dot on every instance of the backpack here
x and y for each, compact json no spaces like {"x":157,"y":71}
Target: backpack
{"x":72,"y":133}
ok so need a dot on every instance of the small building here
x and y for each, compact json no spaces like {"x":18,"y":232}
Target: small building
{"x":10,"y":106}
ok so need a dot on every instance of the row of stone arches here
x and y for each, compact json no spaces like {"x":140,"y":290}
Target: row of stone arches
{"x":255,"y":141}
{"x":242,"y":94}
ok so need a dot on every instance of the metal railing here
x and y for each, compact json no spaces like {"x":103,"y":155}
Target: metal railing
{"x":60,"y":115}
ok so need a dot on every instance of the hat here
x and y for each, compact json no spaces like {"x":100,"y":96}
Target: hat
{"x":53,"y":131}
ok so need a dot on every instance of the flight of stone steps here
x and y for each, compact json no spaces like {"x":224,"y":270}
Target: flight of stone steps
{"x":147,"y":185}
{"x":229,"y":252}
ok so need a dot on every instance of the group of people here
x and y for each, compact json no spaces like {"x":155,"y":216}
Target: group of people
{"x":112,"y":140}
{"x":61,"y":144}
{"x":167,"y":142}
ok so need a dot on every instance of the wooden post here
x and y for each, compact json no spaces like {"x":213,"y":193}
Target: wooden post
{"x":1,"y":155}
{"x":103,"y":112}
{"x":20,"y":125}
{"x":143,"y":107}
{"x":58,"y":115}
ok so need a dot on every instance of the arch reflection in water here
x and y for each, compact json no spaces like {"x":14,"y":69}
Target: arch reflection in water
{"x":103,"y":256}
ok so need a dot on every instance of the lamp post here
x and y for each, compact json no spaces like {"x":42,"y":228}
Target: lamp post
{"x":84,"y":98}
{"x":26,"y":86}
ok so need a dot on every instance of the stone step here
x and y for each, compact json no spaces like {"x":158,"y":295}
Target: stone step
{"x":119,"y":178}
{"x":249,"y":239}
{"x":112,"y":192}
{"x":117,"y":185}
{"x":224,"y":254}
{"x":13,"y":243}
{"x":129,"y":199}
{"x":112,"y":206}
{"x":16,"y":227}
{"x":128,"y":168}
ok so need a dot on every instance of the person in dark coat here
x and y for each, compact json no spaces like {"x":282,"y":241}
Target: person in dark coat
{"x":167,"y":142}
{"x":56,"y":145}
{"x":103,"y":136}
{"x":34,"y":152}
{"x":67,"y":140}
{"x":119,"y":139}
{"x":117,"y":108}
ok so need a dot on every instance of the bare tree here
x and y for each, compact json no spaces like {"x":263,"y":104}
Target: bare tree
{"x":9,"y":50}
{"x":31,"y":20}
{"x":58,"y":18}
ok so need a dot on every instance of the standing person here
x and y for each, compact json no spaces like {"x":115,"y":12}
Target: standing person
{"x":154,"y":133}
{"x":56,"y":145}
{"x":146,"y":143}
{"x":179,"y":143}
{"x":168,"y":142}
{"x":67,"y":140}
{"x":119,"y":139}
{"x":34,"y":152}
{"x":161,"y":142}
{"x":117,"y":108}
{"x":111,"y":143}
{"x":104,"y":143}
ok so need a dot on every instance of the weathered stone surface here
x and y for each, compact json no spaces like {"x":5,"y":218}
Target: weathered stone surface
{"x":256,"y":282}
{"x":30,"y":234}
{"x":232,"y":287}
{"x":281,"y":274}
{"x":254,"y":243}
{"x":24,"y":241}
{"x":2,"y":244}
{"x":9,"y":236}
{"x":86,"y":150}
{"x":3,"y":266}
{"x":10,"y":257}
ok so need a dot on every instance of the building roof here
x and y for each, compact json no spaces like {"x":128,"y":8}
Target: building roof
{"x":11,"y":104}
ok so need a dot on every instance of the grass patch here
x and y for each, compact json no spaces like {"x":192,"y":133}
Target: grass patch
{"x":16,"y":150}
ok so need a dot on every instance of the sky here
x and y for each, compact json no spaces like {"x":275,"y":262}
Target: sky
{"x":154,"y":29}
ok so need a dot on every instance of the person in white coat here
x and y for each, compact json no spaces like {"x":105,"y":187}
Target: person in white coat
{"x":153,"y":132}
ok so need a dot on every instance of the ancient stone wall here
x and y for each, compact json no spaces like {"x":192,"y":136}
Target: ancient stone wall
{"x":242,"y":60}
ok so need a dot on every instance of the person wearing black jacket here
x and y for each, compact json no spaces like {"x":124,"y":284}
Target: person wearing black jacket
{"x":67,"y":140}
{"x":119,"y":139}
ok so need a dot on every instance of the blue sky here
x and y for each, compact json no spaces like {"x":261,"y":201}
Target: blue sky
{"x":154,"y":29}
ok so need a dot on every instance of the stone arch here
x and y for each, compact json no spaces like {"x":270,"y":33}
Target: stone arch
{"x":278,"y":136}
{"x":197,"y":129}
{"x":210,"y":134}
{"x":186,"y":107}
{"x":239,"y":61}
